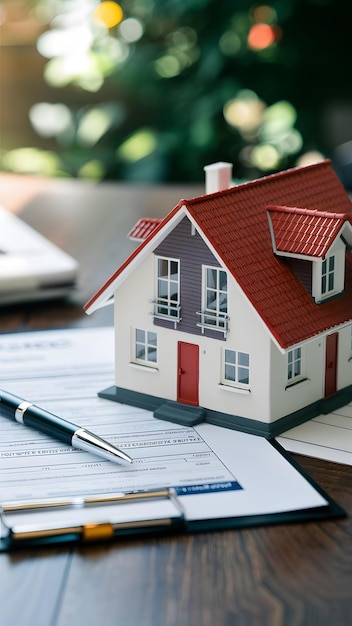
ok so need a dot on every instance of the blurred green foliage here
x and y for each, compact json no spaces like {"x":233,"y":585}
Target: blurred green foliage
{"x":189,"y":82}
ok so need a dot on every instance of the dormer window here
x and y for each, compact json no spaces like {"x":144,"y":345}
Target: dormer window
{"x":313,"y":243}
{"x":328,"y":276}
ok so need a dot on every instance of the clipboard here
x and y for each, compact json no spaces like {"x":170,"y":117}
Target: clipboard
{"x":92,"y":519}
{"x":112,"y":517}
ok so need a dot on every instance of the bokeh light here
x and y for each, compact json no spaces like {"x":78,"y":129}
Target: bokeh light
{"x":92,"y":170}
{"x":50,"y":120}
{"x":279,"y":116}
{"x":32,"y":161}
{"x":131,"y":30}
{"x":261,"y":36}
{"x":266,"y":157}
{"x":138,"y":146}
{"x":312,"y":156}
{"x":95,"y":122}
{"x":81,"y":69}
{"x":168,"y":66}
{"x":244,"y":112}
{"x":61,"y":42}
{"x":230,"y":43}
{"x":108,"y":13}
{"x":269,"y":131}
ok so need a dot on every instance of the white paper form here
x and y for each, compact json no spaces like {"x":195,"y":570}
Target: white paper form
{"x":326,"y":437}
{"x":216,"y":472}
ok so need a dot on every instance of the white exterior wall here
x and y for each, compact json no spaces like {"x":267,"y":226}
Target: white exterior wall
{"x":285,"y":398}
{"x":132,"y":310}
{"x":247,"y":334}
{"x":344,"y":361}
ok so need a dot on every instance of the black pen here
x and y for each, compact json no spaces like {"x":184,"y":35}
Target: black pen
{"x":31,"y":415}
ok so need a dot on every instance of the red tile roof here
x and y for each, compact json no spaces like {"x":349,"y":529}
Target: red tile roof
{"x":143,"y":228}
{"x":235,"y":223}
{"x":307,"y":232}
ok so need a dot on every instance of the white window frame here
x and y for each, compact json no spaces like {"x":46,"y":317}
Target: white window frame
{"x":166,"y":307}
{"x":321,"y":270}
{"x":214,"y":319}
{"x":234,"y":360}
{"x":328,"y":275}
{"x":295,"y":357}
{"x":149,"y":347}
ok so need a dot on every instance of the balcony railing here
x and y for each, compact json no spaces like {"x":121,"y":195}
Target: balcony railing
{"x":214,"y":320}
{"x":169,"y":311}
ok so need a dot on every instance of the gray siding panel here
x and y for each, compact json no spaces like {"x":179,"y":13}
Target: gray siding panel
{"x":192,"y":253}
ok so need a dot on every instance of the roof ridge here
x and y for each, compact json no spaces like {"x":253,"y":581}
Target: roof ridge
{"x":312,"y":212}
{"x":262,"y":179}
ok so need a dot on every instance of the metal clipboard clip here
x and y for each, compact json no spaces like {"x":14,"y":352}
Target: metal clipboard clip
{"x":95,"y":518}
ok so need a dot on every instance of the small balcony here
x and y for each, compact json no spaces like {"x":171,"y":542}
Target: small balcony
{"x":214,"y":321}
{"x":166,"y":310}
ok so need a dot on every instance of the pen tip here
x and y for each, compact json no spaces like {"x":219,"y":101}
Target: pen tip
{"x":121,"y":457}
{"x":89,"y":442}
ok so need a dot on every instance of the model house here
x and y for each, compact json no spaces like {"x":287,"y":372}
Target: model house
{"x":236,"y":308}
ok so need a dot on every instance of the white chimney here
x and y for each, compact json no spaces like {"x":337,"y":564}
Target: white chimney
{"x":218,"y":176}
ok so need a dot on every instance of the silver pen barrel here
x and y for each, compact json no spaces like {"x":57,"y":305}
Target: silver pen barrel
{"x":85,"y":440}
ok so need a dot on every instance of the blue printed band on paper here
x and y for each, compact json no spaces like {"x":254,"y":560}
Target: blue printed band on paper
{"x":192,"y":490}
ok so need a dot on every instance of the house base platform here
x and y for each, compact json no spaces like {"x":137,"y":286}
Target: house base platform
{"x":188,"y":415}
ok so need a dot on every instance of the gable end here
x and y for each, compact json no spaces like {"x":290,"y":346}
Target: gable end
{"x":185,"y":244}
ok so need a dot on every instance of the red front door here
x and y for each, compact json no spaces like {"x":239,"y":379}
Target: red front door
{"x":187,"y":373}
{"x":331,"y":365}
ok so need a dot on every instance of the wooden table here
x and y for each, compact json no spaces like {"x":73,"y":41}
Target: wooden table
{"x":287,"y":575}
